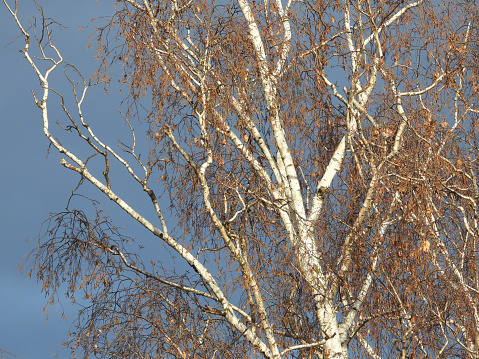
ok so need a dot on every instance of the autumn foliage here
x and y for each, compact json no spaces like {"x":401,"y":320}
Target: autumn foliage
{"x":313,"y":168}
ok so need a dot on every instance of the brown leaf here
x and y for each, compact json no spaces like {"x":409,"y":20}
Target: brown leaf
{"x":425,"y":246}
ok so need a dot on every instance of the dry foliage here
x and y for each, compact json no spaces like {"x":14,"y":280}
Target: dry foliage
{"x":320,"y":160}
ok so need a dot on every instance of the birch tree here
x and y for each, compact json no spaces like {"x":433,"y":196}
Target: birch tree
{"x":313,"y":170}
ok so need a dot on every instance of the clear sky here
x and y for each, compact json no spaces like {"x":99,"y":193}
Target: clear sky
{"x":31,"y":184}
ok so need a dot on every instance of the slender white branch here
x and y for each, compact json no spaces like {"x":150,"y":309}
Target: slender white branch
{"x":302,"y":346}
{"x":393,"y":18}
{"x":424,"y":90}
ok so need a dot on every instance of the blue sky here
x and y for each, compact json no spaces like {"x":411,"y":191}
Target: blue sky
{"x":31,"y":184}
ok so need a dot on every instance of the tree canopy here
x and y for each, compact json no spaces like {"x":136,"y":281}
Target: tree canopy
{"x":313,"y":170}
